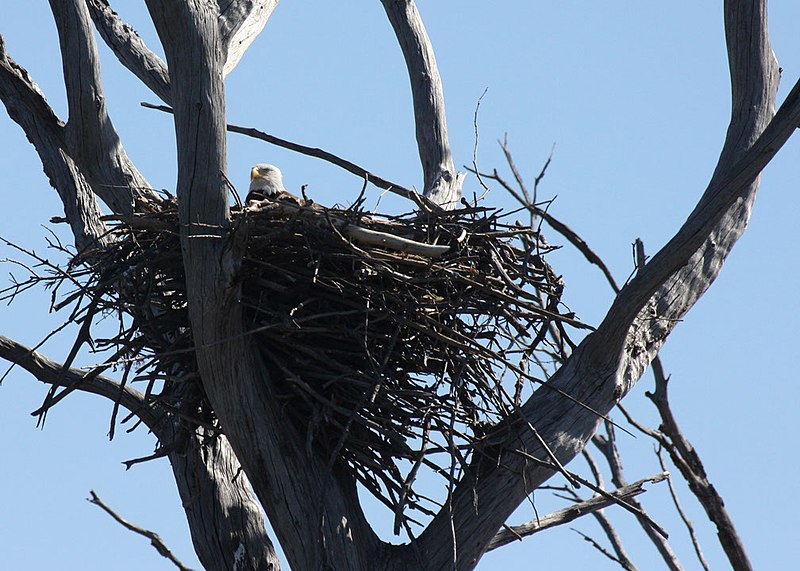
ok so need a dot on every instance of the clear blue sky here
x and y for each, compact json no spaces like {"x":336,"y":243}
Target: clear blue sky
{"x":635,"y":97}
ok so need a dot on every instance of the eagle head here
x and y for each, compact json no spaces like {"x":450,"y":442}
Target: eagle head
{"x":266,"y":181}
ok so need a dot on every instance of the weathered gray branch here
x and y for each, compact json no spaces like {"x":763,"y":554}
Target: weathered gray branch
{"x":52,"y":373}
{"x":691,"y":467}
{"x":609,"y":361}
{"x":374,"y":238}
{"x":240,"y":23}
{"x":155,"y":539}
{"x":442,"y":182}
{"x":27,"y":107}
{"x":130,"y":49}
{"x":224,"y":518}
{"x":316,"y":513}
{"x":90,"y":137}
{"x":560,"y":517}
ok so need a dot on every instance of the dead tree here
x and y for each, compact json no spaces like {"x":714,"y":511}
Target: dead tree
{"x":312,"y":504}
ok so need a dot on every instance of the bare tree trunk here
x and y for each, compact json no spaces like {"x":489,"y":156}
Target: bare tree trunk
{"x":317,"y":517}
{"x":225,"y":519}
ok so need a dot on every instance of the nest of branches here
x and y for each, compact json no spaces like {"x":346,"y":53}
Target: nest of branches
{"x":396,"y":342}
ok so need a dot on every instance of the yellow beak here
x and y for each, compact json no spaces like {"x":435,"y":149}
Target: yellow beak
{"x":253,"y":173}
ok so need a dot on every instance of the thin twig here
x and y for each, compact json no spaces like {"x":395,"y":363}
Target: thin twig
{"x":325,"y":156}
{"x":155,"y":540}
{"x":603,"y":521}
{"x":686,"y":521}
{"x":600,"y":548}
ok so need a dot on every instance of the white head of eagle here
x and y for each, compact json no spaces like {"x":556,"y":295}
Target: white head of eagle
{"x":266,"y":181}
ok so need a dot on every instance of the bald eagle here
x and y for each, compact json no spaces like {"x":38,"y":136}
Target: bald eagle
{"x":266,"y":183}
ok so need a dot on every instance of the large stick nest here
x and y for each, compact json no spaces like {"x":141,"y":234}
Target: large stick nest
{"x":389,"y":354}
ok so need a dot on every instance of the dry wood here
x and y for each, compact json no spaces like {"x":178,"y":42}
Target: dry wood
{"x":206,"y":471}
{"x":240,"y":23}
{"x":688,"y":462}
{"x":517,"y":532}
{"x":130,"y":49}
{"x":26,"y":105}
{"x":90,"y":137}
{"x":155,"y":540}
{"x":442,"y":182}
{"x":350,"y":167}
{"x":608,"y":447}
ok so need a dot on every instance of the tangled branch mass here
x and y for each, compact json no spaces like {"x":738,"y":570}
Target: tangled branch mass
{"x":388,"y":353}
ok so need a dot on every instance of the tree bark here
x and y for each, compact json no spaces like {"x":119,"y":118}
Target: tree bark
{"x":241,"y":21}
{"x":225,"y":519}
{"x":90,"y":137}
{"x":26,"y":105}
{"x":130,"y":49}
{"x":316,"y":516}
{"x":442,"y":182}
{"x":314,"y":510}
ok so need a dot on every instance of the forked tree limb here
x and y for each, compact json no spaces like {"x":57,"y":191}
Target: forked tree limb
{"x":688,"y":462}
{"x":442,"y":182}
{"x":27,"y":107}
{"x":130,"y":49}
{"x":225,"y":518}
{"x":55,"y":374}
{"x":90,"y":136}
{"x":610,"y":361}
{"x":319,"y":522}
{"x":240,"y":23}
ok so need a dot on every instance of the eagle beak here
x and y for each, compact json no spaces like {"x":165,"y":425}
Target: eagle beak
{"x":253,"y":173}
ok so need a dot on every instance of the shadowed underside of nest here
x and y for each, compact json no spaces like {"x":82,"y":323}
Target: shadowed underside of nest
{"x":395,"y":342}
